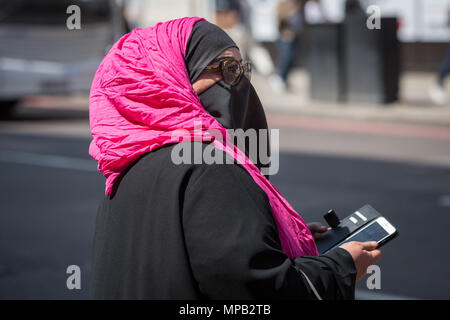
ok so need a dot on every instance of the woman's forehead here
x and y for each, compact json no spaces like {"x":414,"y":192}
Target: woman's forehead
{"x":231,"y":52}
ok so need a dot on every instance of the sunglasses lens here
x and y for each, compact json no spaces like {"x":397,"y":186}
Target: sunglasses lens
{"x":231,"y":71}
{"x":247,"y":70}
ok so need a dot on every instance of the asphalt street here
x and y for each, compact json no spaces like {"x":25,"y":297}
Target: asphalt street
{"x":50,"y":190}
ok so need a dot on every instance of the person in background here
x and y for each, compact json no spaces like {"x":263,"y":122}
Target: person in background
{"x":437,"y":92}
{"x":227,"y":13}
{"x":262,"y":23}
{"x":289,"y":25}
{"x":231,"y":17}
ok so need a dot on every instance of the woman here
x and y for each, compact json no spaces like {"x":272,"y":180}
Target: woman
{"x":191,"y":231}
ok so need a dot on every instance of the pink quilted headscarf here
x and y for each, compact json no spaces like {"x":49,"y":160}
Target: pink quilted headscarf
{"x":141,"y":94}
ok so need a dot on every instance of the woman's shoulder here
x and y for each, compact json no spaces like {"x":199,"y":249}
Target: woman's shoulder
{"x":180,"y":162}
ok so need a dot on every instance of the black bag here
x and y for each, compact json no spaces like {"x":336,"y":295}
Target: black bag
{"x":342,"y":229}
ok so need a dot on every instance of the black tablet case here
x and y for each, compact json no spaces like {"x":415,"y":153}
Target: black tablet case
{"x":346,"y":227}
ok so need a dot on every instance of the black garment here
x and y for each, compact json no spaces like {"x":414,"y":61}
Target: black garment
{"x":205,"y":43}
{"x":234,"y":107}
{"x":201,"y":231}
{"x":239,"y":107}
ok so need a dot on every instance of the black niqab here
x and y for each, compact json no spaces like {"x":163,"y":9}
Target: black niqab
{"x":234,"y":107}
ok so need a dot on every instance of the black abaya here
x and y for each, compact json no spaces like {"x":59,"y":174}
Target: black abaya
{"x":194,"y":231}
{"x":198,"y":231}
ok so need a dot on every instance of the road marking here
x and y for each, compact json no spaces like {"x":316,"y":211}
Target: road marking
{"x":444,"y":201}
{"x":37,"y":66}
{"x":46,"y":160}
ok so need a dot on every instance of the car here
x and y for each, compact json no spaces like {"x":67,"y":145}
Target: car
{"x":41,"y":52}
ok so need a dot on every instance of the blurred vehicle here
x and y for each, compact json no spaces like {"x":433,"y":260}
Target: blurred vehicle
{"x":41,"y":55}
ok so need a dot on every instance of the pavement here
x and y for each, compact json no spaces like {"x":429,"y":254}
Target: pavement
{"x":414,"y":105}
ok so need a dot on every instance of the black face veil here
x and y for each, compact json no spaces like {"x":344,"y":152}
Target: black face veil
{"x":234,"y":107}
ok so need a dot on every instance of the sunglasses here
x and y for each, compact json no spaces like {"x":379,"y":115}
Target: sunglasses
{"x":231,"y":69}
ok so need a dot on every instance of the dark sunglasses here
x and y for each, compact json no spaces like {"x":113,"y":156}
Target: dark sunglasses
{"x":231,"y":69}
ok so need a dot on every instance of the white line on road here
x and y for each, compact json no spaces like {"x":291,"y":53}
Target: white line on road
{"x":46,"y":160}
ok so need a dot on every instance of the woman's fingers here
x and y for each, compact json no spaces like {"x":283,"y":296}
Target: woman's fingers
{"x":369,"y":245}
{"x":364,"y":254}
{"x":317,"y":227}
{"x":376,"y":254}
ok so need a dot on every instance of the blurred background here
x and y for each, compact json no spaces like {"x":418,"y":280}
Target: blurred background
{"x":357,"y":88}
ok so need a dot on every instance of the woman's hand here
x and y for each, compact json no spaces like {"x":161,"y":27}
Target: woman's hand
{"x":364,"y":254}
{"x":317,"y":229}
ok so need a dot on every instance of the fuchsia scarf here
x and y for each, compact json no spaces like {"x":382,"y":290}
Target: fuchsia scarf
{"x":141,"y":94}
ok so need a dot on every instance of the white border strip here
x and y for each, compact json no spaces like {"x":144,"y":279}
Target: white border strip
{"x":359,"y":214}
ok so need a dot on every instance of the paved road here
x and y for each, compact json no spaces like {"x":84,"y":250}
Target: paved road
{"x":49,"y":192}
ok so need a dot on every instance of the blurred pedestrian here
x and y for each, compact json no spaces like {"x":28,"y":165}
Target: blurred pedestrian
{"x":289,"y":25}
{"x":227,"y":13}
{"x":262,"y":22}
{"x":438,"y":93}
{"x":231,"y":17}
